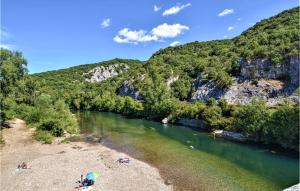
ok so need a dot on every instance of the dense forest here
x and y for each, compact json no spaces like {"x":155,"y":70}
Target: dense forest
{"x":28,"y":96}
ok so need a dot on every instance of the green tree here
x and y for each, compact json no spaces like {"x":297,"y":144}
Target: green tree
{"x":253,"y":120}
{"x":212,"y":116}
{"x":284,"y":126}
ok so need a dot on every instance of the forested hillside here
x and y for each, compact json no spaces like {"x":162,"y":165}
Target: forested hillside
{"x":273,"y":38}
{"x":166,"y":82}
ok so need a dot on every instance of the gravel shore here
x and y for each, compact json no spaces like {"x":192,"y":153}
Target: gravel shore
{"x":59,"y":166}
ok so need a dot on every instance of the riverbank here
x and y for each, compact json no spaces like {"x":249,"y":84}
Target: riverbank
{"x":59,"y":166}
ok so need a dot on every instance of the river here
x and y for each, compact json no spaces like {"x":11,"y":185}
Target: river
{"x":193,"y":160}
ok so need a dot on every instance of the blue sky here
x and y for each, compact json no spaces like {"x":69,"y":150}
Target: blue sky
{"x":54,"y":34}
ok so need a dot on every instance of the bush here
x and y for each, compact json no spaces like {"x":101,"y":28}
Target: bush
{"x":55,"y":118}
{"x":7,"y":110}
{"x":181,"y":88}
{"x":43,"y":136}
{"x":53,"y":126}
{"x":253,"y":120}
{"x":212,"y":116}
{"x":34,"y":115}
{"x":284,"y":127}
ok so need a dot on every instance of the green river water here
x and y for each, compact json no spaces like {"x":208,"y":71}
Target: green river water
{"x":193,"y":160}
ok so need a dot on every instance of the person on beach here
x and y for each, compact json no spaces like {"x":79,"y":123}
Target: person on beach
{"x":123,"y":160}
{"x":85,"y":183}
{"x":23,"y":165}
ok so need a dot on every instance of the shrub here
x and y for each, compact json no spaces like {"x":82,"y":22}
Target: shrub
{"x":212,"y":116}
{"x":43,"y":136}
{"x":34,"y":115}
{"x":53,"y":126}
{"x":285,"y":127}
{"x":181,"y":88}
{"x":7,"y":110}
{"x":253,"y":119}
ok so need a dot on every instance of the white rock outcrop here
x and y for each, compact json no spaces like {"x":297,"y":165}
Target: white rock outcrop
{"x":102,"y":73}
{"x":171,"y":80}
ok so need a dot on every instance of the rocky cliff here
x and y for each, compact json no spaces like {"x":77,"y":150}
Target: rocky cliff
{"x":128,"y":89}
{"x":102,"y":73}
{"x":258,"y":78}
{"x":264,"y":69}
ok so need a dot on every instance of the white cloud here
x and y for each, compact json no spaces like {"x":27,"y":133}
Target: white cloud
{"x":225,"y":36}
{"x":3,"y":37}
{"x":7,"y":46}
{"x":175,"y":43}
{"x":156,"y":8}
{"x":158,"y":33}
{"x":127,"y":36}
{"x":239,"y":19}
{"x":230,"y":28}
{"x":176,"y":9}
{"x":226,"y":12}
{"x":169,"y":31}
{"x":4,"y":34}
{"x":105,"y":23}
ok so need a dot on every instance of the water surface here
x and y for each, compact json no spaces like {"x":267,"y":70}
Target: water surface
{"x":190,"y":159}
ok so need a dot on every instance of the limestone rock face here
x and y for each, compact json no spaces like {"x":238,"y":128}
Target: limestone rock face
{"x":206,"y":90}
{"x":243,"y":91}
{"x":102,"y":73}
{"x":263,"y":68}
{"x":128,"y":89}
{"x":294,"y":67}
{"x":259,"y":78}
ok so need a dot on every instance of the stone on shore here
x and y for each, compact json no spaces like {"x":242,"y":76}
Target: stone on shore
{"x":229,"y":135}
{"x":293,"y":188}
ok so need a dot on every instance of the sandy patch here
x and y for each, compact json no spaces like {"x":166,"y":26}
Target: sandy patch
{"x":59,"y":166}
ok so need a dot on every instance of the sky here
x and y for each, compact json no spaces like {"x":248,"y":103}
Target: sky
{"x":55,"y":34}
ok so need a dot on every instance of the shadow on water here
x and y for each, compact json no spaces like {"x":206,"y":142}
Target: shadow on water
{"x":188,"y":156}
